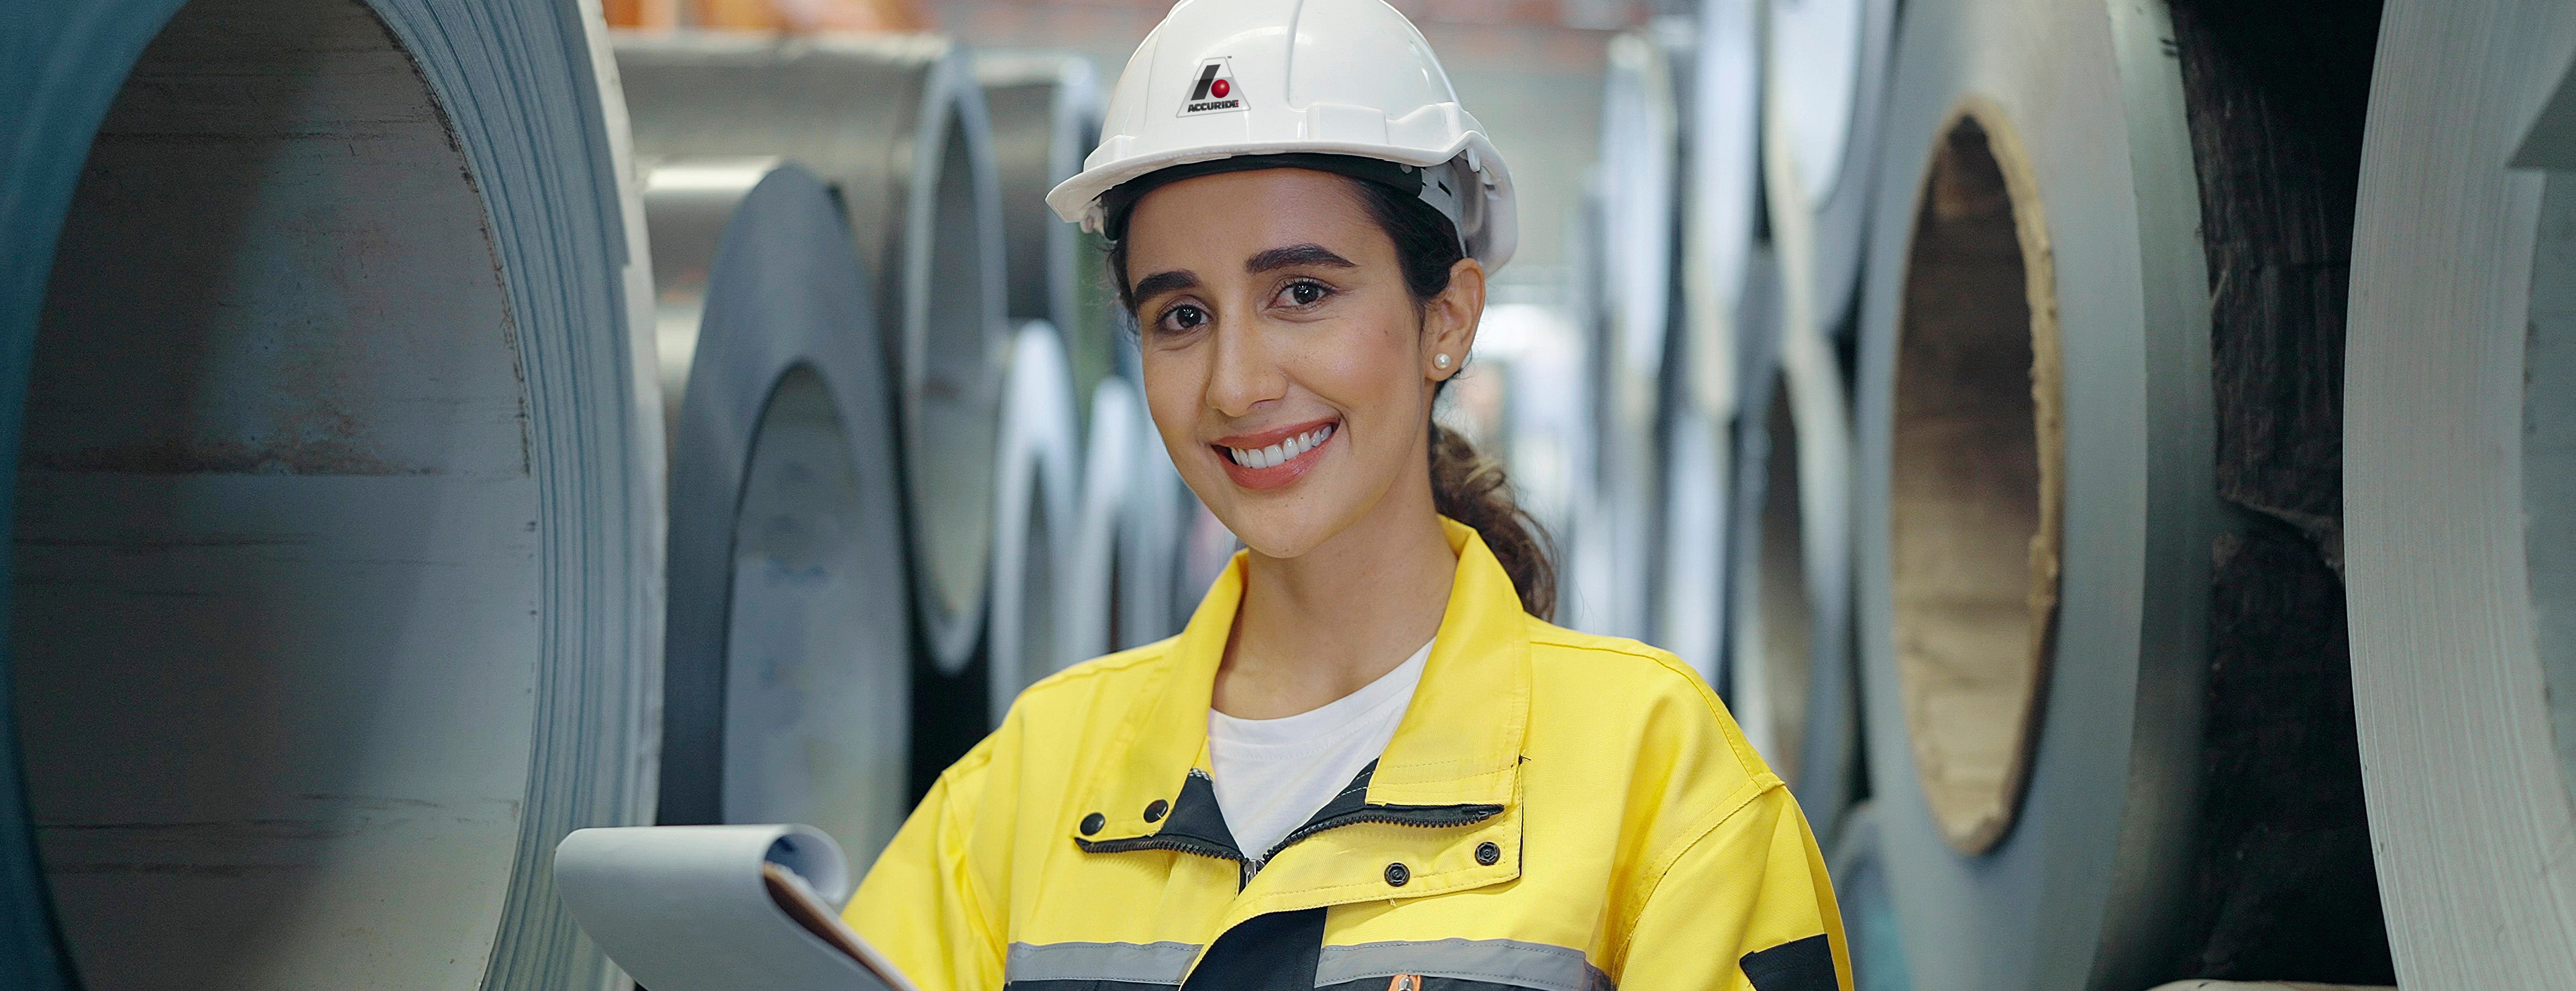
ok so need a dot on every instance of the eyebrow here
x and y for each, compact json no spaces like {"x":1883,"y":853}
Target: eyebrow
{"x":1268,"y":261}
{"x":1162,"y":282}
{"x":1295,"y":255}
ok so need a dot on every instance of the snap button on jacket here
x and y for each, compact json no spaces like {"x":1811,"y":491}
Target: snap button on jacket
{"x":1557,"y":811}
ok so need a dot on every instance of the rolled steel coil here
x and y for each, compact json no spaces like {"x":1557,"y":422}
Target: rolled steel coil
{"x":1826,"y":66}
{"x":2203,"y":985}
{"x":2074,"y":656}
{"x":1794,"y":683}
{"x":1717,"y":197}
{"x":1795,"y":687}
{"x":2035,"y":497}
{"x":2460,"y":467}
{"x":1791,"y":680}
{"x":896,"y":125}
{"x":1640,"y":156}
{"x":1584,"y":592}
{"x":1858,"y":865}
{"x":1092,"y":573}
{"x":1045,"y":108}
{"x":787,"y":678}
{"x":337,"y":513}
{"x":1155,"y":595}
{"x":1036,"y":500}
{"x":1122,"y":582}
{"x":1721,"y":201}
{"x":1690,"y":618}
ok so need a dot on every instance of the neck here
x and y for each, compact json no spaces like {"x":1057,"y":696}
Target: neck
{"x":1323,"y":624}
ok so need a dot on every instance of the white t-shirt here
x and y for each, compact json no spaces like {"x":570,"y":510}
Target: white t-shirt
{"x":1272,"y":774}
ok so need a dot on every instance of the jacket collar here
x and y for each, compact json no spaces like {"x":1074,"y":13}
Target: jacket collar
{"x":1458,"y":744}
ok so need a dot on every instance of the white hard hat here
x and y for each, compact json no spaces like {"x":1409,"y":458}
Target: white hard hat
{"x":1242,"y":84}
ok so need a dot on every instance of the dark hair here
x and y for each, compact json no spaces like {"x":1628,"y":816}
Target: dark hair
{"x":1465,"y":485}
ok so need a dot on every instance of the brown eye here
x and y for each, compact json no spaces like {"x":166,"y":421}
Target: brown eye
{"x":1304,"y":293}
{"x":1181,"y":319}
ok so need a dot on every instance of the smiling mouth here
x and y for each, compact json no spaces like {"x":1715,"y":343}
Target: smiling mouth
{"x":1280,"y":453}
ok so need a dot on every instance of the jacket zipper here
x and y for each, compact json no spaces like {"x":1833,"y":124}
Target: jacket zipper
{"x":1430,"y":817}
{"x":1448,"y":815}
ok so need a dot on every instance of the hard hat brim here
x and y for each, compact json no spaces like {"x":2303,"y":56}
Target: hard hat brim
{"x":1078,"y":200}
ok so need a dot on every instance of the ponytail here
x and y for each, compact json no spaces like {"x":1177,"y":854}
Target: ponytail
{"x":1470,"y":488}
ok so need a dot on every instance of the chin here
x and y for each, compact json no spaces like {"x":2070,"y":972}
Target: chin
{"x":1282,"y":524}
{"x":1279,"y":531}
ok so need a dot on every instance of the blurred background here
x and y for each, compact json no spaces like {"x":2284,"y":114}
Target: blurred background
{"x":2114,"y":458}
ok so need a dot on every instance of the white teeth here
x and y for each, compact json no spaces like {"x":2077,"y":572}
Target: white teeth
{"x":1279,"y":453}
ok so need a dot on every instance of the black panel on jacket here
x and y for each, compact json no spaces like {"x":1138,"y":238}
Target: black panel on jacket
{"x":1274,"y":952}
{"x":1798,"y":965}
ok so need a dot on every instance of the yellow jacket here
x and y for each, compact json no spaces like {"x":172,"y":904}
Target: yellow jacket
{"x":1556,"y":811}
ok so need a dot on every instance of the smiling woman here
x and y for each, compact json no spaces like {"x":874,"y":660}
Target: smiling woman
{"x":1369,"y":759}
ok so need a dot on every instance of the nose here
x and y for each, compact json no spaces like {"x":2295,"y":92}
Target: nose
{"x":1243,"y":372}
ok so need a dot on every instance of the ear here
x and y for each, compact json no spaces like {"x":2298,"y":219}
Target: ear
{"x":1449,"y":320}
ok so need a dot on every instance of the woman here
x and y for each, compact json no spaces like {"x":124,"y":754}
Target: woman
{"x":1367,"y":762}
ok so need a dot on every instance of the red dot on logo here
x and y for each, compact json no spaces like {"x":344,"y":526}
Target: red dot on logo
{"x":1220,"y":88}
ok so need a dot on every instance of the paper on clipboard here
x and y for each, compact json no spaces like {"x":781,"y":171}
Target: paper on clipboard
{"x":720,"y":908}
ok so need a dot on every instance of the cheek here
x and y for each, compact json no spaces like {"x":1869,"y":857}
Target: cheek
{"x":1173,"y":384}
{"x":1367,"y":369}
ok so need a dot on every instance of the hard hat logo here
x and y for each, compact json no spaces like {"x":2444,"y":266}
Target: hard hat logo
{"x":1212,"y":90}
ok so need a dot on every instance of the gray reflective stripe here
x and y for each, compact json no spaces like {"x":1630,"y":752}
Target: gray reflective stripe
{"x":1135,"y":963}
{"x":1501,"y":961}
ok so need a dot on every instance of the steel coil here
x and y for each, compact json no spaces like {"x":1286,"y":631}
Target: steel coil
{"x":1795,"y":687}
{"x":1721,"y":203}
{"x":1155,"y":595}
{"x":337,"y":570}
{"x":2460,"y":470}
{"x":1791,"y":680}
{"x":1795,"y":684}
{"x":1584,"y":593}
{"x":1717,"y":199}
{"x":1037,"y":493}
{"x":2074,"y":657}
{"x":787,"y":675}
{"x":2035,"y":507}
{"x":1826,"y":65}
{"x":1045,"y":109}
{"x":1858,"y":865}
{"x":2205,"y":985}
{"x":896,"y":125}
{"x":1122,"y":582}
{"x":1690,"y":619}
{"x":1640,"y":157}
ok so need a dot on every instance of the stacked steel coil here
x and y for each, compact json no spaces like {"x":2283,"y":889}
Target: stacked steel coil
{"x":1959,"y":390}
{"x":337,"y":568}
{"x":792,"y":692}
{"x":896,"y":125}
{"x":415,"y":567}
{"x":1615,"y":542}
{"x":787,"y":663}
{"x":2461,"y":469}
{"x":1027,"y":635}
{"x":2097,"y":511}
{"x":2034,"y":593}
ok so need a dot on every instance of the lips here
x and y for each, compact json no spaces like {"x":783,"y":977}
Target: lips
{"x":1273,"y":458}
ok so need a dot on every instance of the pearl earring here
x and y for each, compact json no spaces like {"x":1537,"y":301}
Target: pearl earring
{"x":1439,"y":361}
